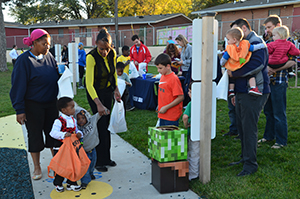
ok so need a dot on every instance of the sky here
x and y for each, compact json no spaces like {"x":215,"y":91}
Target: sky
{"x":6,"y":16}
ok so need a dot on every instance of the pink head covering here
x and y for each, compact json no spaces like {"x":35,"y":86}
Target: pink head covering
{"x":37,"y":33}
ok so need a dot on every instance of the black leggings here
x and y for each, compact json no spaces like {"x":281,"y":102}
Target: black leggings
{"x":103,"y":148}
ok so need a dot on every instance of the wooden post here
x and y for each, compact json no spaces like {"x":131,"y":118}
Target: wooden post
{"x":74,"y":62}
{"x":206,"y":96}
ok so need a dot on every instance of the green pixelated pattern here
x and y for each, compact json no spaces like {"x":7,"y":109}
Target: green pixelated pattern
{"x":166,"y":146}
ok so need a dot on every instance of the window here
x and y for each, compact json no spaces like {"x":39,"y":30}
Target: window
{"x":275,"y":12}
{"x":89,"y":32}
{"x":60,"y":32}
{"x":76,"y":32}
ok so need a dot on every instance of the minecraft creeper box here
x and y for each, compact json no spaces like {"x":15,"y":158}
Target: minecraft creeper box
{"x":167,"y":143}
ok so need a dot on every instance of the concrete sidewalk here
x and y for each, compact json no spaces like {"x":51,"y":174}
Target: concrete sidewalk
{"x":131,"y":178}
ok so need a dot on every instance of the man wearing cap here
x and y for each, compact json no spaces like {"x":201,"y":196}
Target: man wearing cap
{"x":81,"y":63}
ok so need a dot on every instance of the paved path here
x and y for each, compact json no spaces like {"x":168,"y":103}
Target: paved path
{"x":131,"y":178}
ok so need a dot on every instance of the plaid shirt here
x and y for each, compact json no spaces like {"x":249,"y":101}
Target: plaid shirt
{"x":280,"y":76}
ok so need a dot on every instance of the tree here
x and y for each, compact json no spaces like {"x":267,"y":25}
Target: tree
{"x":3,"y":64}
{"x":49,"y":10}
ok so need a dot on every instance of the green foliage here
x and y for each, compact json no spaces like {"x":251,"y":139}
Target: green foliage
{"x":277,"y":175}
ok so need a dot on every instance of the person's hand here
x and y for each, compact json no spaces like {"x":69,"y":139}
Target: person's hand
{"x":180,"y":62}
{"x":68,"y":134}
{"x":102,"y":110}
{"x":163,"y":110}
{"x":233,"y":101}
{"x":127,"y":84}
{"x":126,"y":63}
{"x":179,"y":73}
{"x":229,"y":73}
{"x":136,"y":63}
{"x":78,"y":135}
{"x":117,"y":95}
{"x":271,"y":71}
{"x":21,"y":118}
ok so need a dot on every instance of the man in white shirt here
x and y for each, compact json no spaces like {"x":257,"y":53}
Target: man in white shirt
{"x":14,"y":54}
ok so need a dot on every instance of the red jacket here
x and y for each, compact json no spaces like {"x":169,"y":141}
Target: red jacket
{"x":143,"y":55}
{"x":279,"y":50}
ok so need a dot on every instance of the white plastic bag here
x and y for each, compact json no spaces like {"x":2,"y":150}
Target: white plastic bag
{"x":121,"y":86}
{"x":142,"y":68}
{"x":222,"y":87}
{"x":117,"y":118}
{"x":133,"y":73}
{"x":64,"y":84}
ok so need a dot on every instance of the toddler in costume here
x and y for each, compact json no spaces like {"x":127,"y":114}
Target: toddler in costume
{"x":63,"y":127}
{"x":238,"y":53}
{"x":280,"y":48}
{"x":87,"y":124}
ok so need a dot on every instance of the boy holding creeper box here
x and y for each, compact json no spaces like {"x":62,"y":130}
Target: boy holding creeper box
{"x":170,"y":94}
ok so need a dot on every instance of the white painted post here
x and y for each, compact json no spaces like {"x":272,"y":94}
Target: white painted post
{"x":206,"y":96}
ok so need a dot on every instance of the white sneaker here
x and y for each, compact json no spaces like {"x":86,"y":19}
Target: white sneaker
{"x":73,"y":187}
{"x":59,"y":188}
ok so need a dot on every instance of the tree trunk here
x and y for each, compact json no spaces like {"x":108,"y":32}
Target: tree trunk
{"x":3,"y":64}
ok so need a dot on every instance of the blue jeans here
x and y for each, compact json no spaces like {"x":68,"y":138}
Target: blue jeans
{"x":163,"y":122}
{"x":232,"y":117}
{"x":93,"y":157}
{"x":275,"y":111}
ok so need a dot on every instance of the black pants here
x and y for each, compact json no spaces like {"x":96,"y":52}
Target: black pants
{"x":103,"y":148}
{"x":81,"y":71}
{"x":13,"y":62}
{"x":248,"y":108}
{"x":58,"y":180}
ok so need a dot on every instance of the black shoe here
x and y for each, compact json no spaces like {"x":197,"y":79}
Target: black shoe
{"x":93,"y":177}
{"x":230,"y":133}
{"x":244,"y":173}
{"x":83,"y":186}
{"x":111,"y":164}
{"x":101,"y":168}
{"x":235,"y":163}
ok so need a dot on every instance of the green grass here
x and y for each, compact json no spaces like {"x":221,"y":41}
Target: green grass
{"x":278,"y":175}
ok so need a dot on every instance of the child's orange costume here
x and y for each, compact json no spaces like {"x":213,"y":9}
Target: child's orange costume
{"x":239,"y":56}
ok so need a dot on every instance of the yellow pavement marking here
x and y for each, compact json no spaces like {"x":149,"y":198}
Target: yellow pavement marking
{"x":11,"y":134}
{"x":95,"y":189}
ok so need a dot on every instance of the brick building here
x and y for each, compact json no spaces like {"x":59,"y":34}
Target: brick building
{"x":15,"y":33}
{"x":256,"y":11}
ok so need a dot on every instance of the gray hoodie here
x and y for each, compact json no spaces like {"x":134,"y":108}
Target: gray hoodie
{"x":89,"y":130}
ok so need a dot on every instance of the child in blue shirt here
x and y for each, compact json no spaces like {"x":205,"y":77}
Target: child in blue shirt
{"x":81,"y":63}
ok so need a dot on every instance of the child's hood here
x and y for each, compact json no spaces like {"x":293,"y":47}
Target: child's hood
{"x":79,"y":109}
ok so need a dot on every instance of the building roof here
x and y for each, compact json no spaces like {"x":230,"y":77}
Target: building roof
{"x":246,"y":5}
{"x":152,"y":19}
{"x":14,"y":25}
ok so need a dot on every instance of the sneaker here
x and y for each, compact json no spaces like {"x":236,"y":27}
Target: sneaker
{"x":73,"y":187}
{"x":277,"y":146}
{"x":59,"y":188}
{"x":262,"y":140}
{"x":230,"y":93}
{"x":291,"y":75}
{"x":255,"y":92}
{"x":81,"y":87}
{"x":83,"y":186}
{"x":130,"y":109}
